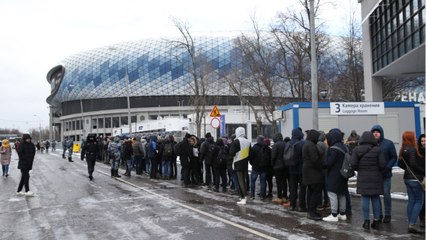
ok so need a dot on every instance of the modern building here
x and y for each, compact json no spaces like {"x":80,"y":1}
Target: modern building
{"x":103,"y":89}
{"x":393,"y":42}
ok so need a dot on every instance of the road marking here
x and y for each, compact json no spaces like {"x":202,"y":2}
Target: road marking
{"x":194,"y":209}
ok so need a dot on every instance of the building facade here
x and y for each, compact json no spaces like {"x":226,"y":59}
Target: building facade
{"x":393,"y":42}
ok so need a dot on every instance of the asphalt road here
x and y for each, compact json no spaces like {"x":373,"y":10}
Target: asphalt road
{"x":66,"y":205}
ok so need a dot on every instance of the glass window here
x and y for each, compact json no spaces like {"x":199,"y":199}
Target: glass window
{"x":401,"y":49}
{"x":77,"y":125}
{"x":408,"y":44}
{"x":407,"y":11}
{"x":133,"y":118}
{"x":82,"y":124}
{"x":73,"y":125}
{"x":395,"y":53}
{"x":108,"y":122}
{"x":124,"y":120}
{"x":100,"y":123}
{"x":415,"y":5}
{"x":115,"y":122}
{"x":94,"y":123}
{"x":416,"y":39}
{"x":401,"y":17}
{"x":408,"y":28}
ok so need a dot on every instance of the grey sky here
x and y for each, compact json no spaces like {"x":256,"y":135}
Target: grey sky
{"x":38,"y":34}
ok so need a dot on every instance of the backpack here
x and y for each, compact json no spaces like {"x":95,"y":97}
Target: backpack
{"x":346,"y":170}
{"x":168,"y":150}
{"x":288,"y":155}
{"x":222,"y":156}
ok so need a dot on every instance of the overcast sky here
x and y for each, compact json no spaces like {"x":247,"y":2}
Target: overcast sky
{"x":37,"y":34}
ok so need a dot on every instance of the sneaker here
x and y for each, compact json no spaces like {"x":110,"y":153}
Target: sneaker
{"x":242,"y":201}
{"x":342,"y":217}
{"x":277,"y":200}
{"x":413,"y":229}
{"x":287,"y":204}
{"x":21,"y":193}
{"x":331,"y":218}
{"x":29,"y":194}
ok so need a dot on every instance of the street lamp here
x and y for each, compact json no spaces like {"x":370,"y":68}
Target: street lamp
{"x":126,"y":78}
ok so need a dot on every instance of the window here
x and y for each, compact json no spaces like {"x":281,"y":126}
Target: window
{"x":100,"y":123}
{"x":115,"y":122}
{"x":124,"y":121}
{"x":108,"y":122}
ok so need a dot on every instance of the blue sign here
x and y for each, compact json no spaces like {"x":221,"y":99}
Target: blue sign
{"x":222,"y":125}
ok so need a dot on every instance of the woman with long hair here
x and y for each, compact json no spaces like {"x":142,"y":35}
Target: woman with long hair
{"x":412,"y":162}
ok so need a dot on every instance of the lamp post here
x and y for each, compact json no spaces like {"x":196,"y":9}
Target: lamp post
{"x":314,"y":74}
{"x":126,"y":78}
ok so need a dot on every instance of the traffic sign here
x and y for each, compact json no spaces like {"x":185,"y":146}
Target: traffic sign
{"x":215,"y":112}
{"x":215,"y":122}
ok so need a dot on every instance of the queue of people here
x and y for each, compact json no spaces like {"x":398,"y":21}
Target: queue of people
{"x":307,"y":167}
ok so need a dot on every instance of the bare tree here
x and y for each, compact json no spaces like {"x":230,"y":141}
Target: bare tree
{"x":291,"y":31}
{"x":392,"y":88}
{"x":199,"y":69}
{"x":255,"y":82}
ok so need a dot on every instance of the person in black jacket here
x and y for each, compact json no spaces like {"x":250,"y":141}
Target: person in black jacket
{"x":205,"y":157}
{"x":297,"y":188}
{"x":336,"y":184}
{"x":258,"y":156}
{"x":90,"y":150}
{"x":220,"y":158}
{"x":184,"y":150}
{"x":410,"y":159}
{"x":26,"y":155}
{"x":280,"y":170}
{"x":368,"y":160}
{"x":313,"y":176}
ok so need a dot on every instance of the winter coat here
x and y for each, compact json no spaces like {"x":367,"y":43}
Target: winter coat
{"x":128,"y":150}
{"x":256,"y":155}
{"x":296,"y":136}
{"x":184,"y":150}
{"x":388,"y":151}
{"x":368,"y":160}
{"x":335,"y":182}
{"x":312,"y":168}
{"x":205,"y":154}
{"x":277,"y":161}
{"x":90,"y":149}
{"x":240,"y":151}
{"x":414,"y":162}
{"x":26,"y":154}
{"x":6,"y":154}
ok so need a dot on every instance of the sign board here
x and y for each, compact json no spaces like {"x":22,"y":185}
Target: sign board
{"x":215,"y":112}
{"x":215,"y":122}
{"x":357,"y":108}
{"x":222,"y":125}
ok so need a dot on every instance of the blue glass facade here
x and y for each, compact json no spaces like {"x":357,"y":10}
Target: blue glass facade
{"x":154,"y":67}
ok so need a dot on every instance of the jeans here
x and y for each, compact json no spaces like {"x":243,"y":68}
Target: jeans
{"x":166,"y":168}
{"x":387,"y":200}
{"x":348,"y":202}
{"x":138,"y":162}
{"x":254,"y":175}
{"x":415,"y":200}
{"x":148,"y":166}
{"x":365,"y":202}
{"x":129,"y":166}
{"x":5,"y":169}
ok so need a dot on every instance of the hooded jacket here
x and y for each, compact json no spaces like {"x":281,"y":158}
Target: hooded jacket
{"x":26,"y":153}
{"x":240,"y":150}
{"x":335,"y":182}
{"x":256,"y":154}
{"x":368,"y":160}
{"x":297,"y":136}
{"x":312,"y":165}
{"x":388,"y":151}
{"x":277,"y":161}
